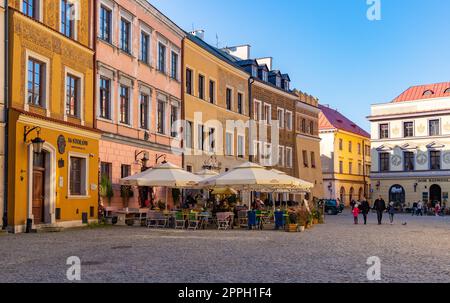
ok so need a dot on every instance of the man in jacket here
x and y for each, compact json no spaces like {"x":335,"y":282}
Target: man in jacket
{"x":365,"y":208}
{"x":380,"y":207}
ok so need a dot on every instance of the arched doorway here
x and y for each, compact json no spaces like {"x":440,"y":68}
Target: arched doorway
{"x":397,"y":194}
{"x":342,"y":195}
{"x":352,"y":194}
{"x":435,"y":194}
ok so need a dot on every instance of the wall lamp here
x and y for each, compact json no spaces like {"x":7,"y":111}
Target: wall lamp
{"x":144,"y":159}
{"x":37,"y":142}
{"x":378,"y":185}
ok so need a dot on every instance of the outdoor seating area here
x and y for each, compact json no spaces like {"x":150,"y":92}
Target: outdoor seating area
{"x":218,"y":203}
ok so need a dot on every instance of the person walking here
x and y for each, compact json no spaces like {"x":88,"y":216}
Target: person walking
{"x":391,"y":211}
{"x":355,"y":212}
{"x":420,"y":208}
{"x":437,"y":209}
{"x":352,"y":204}
{"x":380,"y":207}
{"x":365,"y":208}
{"x":414,"y":209}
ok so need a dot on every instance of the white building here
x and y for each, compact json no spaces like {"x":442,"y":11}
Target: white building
{"x":411,"y":145}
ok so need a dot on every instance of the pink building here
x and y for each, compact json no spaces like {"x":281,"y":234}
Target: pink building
{"x":138,"y":90}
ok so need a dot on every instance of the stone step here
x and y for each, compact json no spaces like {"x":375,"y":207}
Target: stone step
{"x":48,"y":229}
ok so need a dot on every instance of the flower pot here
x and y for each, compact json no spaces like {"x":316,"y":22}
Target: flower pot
{"x":301,"y":228}
{"x":292,"y":228}
{"x":316,"y":221}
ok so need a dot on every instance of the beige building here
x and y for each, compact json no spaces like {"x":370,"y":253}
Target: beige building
{"x":411,"y":145}
{"x":2,"y":109}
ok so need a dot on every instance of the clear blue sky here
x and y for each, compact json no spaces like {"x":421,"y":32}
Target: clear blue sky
{"x":329,"y":47}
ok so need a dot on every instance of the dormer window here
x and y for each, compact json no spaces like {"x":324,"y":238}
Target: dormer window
{"x":447,"y":91}
{"x":254,"y":71}
{"x":428,"y":93}
{"x":278,"y":81}
{"x":286,"y":85}
{"x":265,"y":76}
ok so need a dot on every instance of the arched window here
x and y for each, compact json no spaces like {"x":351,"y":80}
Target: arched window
{"x":360,"y":194}
{"x":447,"y":91}
{"x":397,"y":194}
{"x":428,"y":93}
{"x":342,"y":195}
{"x":352,"y":194}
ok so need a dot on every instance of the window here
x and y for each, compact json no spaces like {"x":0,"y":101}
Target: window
{"x":212,"y":139}
{"x":313,"y":160}
{"x":281,"y":156}
{"x":428,"y":93}
{"x":174,"y":66}
{"x":267,"y":113}
{"x":77,"y":176}
{"x":201,"y":137}
{"x":408,"y":159}
{"x":288,"y":120}
{"x":35,"y":82}
{"x":434,"y":128}
{"x":289,"y":157}
{"x":265,"y":76}
{"x":188,"y":134}
{"x":173,"y":121}
{"x":30,"y":8}
{"x":144,"y":111}
{"x":359,"y":148}
{"x":229,"y":144}
{"x":350,"y":168}
{"x":212,"y":91}
{"x":384,"y":162}
{"x":350,"y":146}
{"x":125,"y":27}
{"x":408,"y":129}
{"x":125,"y":171}
{"x":145,"y":46}
{"x":67,"y":18}
{"x":341,"y":144}
{"x":384,"y":131}
{"x":240,"y":146}
{"x":189,"y":168}
{"x":240,"y":103}
{"x":201,"y":87}
{"x":161,"y":117}
{"x":359,"y":168}
{"x":189,"y":81}
{"x":257,"y":113}
{"x":229,"y":97}
{"x":161,"y":57}
{"x":106,"y":170}
{"x":278,"y":81}
{"x":341,"y":167}
{"x":105,"y":98}
{"x":105,"y":24}
{"x":311,"y":128}
{"x":305,"y":158}
{"x":124,"y":104}
{"x":303,"y":125}
{"x":72,"y":96}
{"x":280,"y":117}
{"x":435,"y":160}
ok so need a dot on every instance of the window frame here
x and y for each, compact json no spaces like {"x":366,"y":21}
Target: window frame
{"x":101,"y":35}
{"x":432,"y":156}
{"x":231,"y":153}
{"x":406,"y":167}
{"x":439,"y":132}
{"x":81,"y":104}
{"x":384,"y":156}
{"x":128,"y":113}
{"x":288,"y":116}
{"x":281,"y":122}
{"x":380,"y":131}
{"x":231,"y":99}
{"x":406,"y":129}
{"x":72,"y":23}
{"x":289,"y":160}
{"x":86,"y":176}
{"x":159,"y":68}
{"x":109,"y":90}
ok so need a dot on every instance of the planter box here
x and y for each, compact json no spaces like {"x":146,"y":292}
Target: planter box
{"x":292,"y":228}
{"x":316,"y":221}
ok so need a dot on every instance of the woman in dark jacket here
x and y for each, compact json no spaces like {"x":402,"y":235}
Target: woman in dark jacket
{"x":365,"y":208}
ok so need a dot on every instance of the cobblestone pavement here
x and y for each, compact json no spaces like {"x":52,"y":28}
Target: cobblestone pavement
{"x":333,"y":252}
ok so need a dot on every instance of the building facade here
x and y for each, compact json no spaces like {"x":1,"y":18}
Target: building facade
{"x":345,"y":156}
{"x":276,"y":141}
{"x":138,"y":89}
{"x":216,"y":108}
{"x":307,"y":142}
{"x":53,"y":147}
{"x":411,"y":146}
{"x":2,"y":111}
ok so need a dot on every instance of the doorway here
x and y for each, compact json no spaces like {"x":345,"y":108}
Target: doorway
{"x":435,"y":194}
{"x":397,"y":195}
{"x":38,"y":196}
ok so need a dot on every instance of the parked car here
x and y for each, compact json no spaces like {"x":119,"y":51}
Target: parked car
{"x":332,"y":207}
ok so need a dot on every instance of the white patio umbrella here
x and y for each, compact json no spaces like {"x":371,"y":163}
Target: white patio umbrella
{"x":300,"y":186}
{"x":163,"y":175}
{"x":206,"y":173}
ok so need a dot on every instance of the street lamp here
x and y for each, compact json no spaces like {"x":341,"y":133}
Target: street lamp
{"x":38,"y":142}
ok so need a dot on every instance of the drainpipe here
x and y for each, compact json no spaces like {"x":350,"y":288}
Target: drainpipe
{"x":6,"y":97}
{"x":251,"y":80}
{"x":183,"y":106}
{"x":364,"y":169}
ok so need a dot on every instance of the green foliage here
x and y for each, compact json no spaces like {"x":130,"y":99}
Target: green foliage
{"x":126,"y":192}
{"x":176,"y":193}
{"x":106,"y":189}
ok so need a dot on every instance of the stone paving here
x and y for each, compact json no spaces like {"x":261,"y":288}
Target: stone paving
{"x":333,"y":252}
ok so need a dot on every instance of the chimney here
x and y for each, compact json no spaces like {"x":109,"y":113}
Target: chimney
{"x":200,"y":33}
{"x":267,"y":61}
{"x":241,"y":51}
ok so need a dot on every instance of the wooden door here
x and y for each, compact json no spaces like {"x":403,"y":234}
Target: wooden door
{"x":38,"y":188}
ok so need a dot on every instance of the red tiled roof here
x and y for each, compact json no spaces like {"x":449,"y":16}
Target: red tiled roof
{"x":332,"y":119}
{"x":413,"y":93}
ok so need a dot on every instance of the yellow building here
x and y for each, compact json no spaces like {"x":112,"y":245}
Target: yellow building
{"x":215,"y":93}
{"x":53,"y":147}
{"x":345,"y":157}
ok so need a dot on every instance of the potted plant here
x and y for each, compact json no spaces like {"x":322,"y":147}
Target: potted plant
{"x":126,"y":192}
{"x":106,"y":190}
{"x":293,"y":222}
